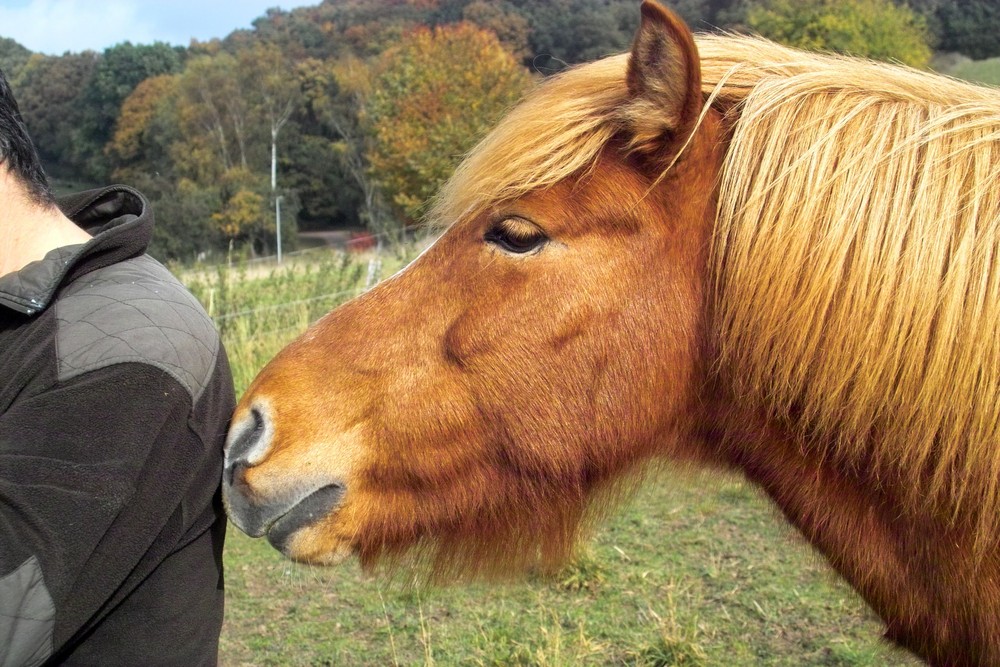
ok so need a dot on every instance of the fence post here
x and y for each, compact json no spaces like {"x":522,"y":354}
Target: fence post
{"x":277,"y":223}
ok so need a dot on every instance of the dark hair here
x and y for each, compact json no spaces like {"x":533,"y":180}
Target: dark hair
{"x":17,"y":152}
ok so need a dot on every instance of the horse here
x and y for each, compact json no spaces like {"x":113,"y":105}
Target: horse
{"x":716,"y":251}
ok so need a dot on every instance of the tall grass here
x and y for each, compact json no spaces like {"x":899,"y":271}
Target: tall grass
{"x":696,"y":571}
{"x":259,"y":309}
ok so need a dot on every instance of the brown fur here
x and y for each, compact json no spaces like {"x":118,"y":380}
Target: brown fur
{"x":777,"y":262}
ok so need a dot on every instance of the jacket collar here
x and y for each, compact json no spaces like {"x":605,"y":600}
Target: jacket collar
{"x":120,"y":222}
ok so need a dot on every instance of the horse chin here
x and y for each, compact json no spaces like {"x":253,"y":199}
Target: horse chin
{"x":311,"y":546}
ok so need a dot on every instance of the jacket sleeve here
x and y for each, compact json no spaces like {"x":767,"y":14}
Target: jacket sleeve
{"x":91,"y":471}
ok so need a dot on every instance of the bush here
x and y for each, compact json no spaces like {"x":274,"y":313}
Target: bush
{"x":870,"y":28}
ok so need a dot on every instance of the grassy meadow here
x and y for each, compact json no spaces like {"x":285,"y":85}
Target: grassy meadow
{"x":986,"y":72}
{"x":980,"y":71}
{"x":696,"y":569}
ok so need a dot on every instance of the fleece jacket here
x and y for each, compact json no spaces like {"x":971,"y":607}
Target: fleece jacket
{"x":115,"y":396}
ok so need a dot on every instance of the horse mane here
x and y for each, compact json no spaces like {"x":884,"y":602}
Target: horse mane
{"x":855,"y":265}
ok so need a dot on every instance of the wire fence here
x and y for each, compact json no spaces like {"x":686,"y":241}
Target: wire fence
{"x":370,"y":242}
{"x":260,"y":308}
{"x":260,"y":287}
{"x":290,"y":304}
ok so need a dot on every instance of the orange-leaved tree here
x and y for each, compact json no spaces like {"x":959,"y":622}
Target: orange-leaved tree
{"x":144,"y":130}
{"x":434,"y":96}
{"x":245,"y":214}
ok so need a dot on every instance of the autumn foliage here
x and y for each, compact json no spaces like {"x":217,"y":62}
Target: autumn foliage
{"x":134,"y":132}
{"x":433,"y":97}
{"x":365,"y":106}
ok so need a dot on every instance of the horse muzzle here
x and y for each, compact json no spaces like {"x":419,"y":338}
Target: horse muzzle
{"x":278,"y":515}
{"x":278,"y":520}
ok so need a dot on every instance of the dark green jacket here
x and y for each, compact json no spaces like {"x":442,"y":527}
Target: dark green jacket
{"x":115,"y":395}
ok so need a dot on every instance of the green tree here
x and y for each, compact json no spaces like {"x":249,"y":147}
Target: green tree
{"x":184,"y":230}
{"x":274,"y":92}
{"x":872,"y":28}
{"x":432,"y":98}
{"x":13,"y":58}
{"x":48,"y":91}
{"x":565,"y":32}
{"x":215,"y":126}
{"x":335,"y":94}
{"x":119,"y":70}
{"x":296,"y":34}
{"x":326,"y":160}
{"x":971,"y":27}
{"x":510,"y":26}
{"x":213,"y":115}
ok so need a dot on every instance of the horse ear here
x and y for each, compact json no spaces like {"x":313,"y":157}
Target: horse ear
{"x":664,"y":81}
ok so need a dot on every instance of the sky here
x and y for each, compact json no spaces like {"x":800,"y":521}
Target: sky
{"x":57,"y":26}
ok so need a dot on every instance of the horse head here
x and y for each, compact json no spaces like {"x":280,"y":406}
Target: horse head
{"x":548,"y":343}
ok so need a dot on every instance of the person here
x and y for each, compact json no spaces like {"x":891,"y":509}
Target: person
{"x":115,"y":396}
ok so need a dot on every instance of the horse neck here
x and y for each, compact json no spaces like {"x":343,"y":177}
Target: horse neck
{"x":918,"y":572}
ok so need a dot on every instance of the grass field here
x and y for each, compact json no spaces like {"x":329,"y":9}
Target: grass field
{"x":977,"y":71}
{"x":980,"y":71}
{"x":696,"y":570}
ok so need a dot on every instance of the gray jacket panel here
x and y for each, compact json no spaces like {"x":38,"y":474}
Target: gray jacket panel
{"x":29,"y":614}
{"x":135,"y":311}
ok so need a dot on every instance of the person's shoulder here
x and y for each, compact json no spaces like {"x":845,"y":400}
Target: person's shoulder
{"x":135,"y":311}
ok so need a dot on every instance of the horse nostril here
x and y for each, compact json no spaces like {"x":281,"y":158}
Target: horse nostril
{"x":247,"y":440}
{"x":244,"y":437}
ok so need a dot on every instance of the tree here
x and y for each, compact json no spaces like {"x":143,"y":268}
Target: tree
{"x":295,"y":34}
{"x":119,"y":70}
{"x":212,"y":127}
{"x":212,"y":108}
{"x":245,"y":214}
{"x":184,"y":229}
{"x":335,"y":94}
{"x":48,"y":91}
{"x":141,"y":153}
{"x":276,"y":96}
{"x":146,"y":128}
{"x":871,"y":28}
{"x":311,"y":167}
{"x":433,"y":97}
{"x":13,"y":58}
{"x":565,"y":32}
{"x":971,"y":27}
{"x":510,"y":26}
{"x":242,"y":214}
{"x":276,"y":92}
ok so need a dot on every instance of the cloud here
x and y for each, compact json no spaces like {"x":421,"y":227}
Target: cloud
{"x":56,"y":26}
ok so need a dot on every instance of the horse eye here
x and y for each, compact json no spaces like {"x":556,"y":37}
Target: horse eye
{"x":516,"y":236}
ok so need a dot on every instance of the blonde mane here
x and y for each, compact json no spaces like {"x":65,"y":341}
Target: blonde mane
{"x":856,"y":265}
